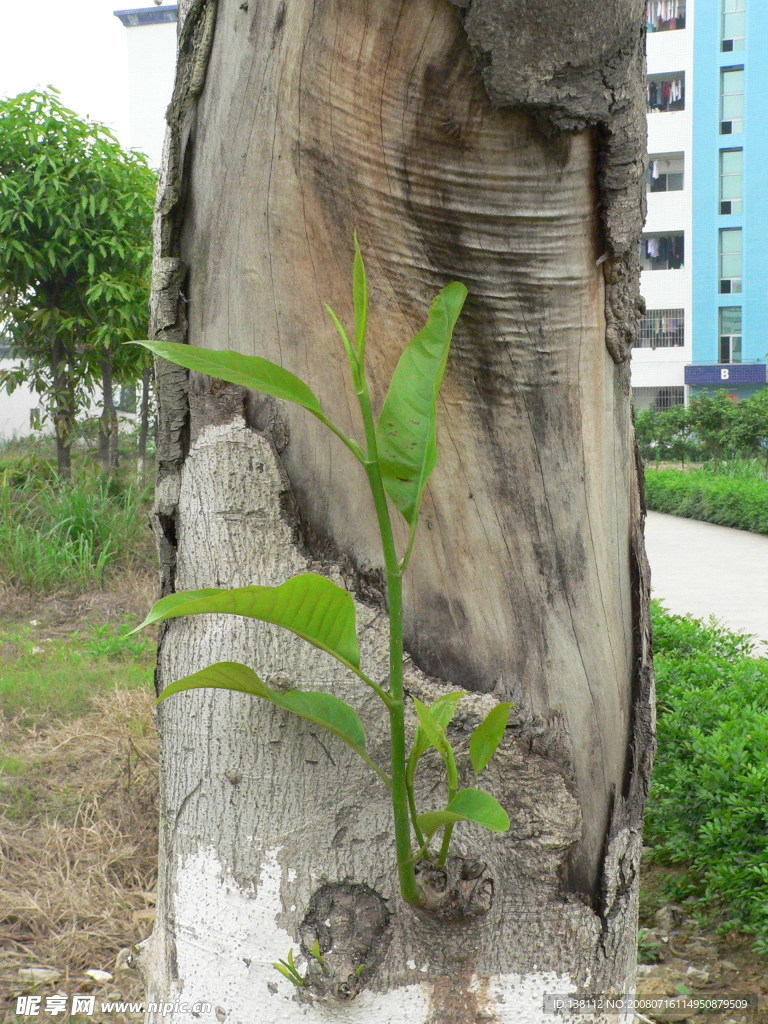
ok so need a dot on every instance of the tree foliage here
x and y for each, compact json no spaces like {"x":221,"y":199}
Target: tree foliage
{"x":75,"y":254}
{"x":712,"y":427}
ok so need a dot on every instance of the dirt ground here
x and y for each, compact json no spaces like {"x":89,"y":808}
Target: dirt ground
{"x":78,"y":825}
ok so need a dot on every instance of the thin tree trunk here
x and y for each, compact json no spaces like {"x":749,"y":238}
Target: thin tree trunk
{"x":108,"y":433}
{"x":146,"y":380}
{"x":529,"y":581}
{"x":63,"y":410}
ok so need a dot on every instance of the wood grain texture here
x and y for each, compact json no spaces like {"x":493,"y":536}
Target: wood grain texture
{"x":381,"y":123}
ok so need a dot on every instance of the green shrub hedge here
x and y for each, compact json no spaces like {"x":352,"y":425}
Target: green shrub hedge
{"x":708,"y":807}
{"x":726,"y":500}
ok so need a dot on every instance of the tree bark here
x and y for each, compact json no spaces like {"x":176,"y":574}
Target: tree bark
{"x":494,"y":142}
{"x":108,"y":432}
{"x":63,"y":409}
{"x":146,"y":383}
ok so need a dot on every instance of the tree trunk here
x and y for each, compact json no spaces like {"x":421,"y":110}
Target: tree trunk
{"x":146,"y":382}
{"x":108,"y":433}
{"x":493,"y":142}
{"x":63,"y":409}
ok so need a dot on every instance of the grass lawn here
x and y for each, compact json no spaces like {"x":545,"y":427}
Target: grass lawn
{"x":45,"y":677}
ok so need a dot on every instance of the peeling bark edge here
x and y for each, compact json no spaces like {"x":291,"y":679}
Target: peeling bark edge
{"x":168,"y":319}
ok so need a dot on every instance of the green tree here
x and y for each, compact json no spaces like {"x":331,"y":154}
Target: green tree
{"x":666,"y":435}
{"x":713,"y":418}
{"x":751,"y":426}
{"x":75,"y":257}
{"x":646,"y":431}
{"x":678,"y":426}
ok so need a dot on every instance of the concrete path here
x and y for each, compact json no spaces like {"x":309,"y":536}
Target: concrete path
{"x":702,"y":570}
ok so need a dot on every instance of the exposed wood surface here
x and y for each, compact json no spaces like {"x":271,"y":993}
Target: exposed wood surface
{"x":521,"y":572}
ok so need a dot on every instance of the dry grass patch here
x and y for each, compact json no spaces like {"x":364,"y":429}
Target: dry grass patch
{"x":78,"y":841}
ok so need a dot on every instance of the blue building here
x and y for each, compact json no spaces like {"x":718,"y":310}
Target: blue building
{"x":730,"y":174}
{"x":706,"y":236}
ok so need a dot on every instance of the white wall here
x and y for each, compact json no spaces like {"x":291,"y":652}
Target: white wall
{"x":670,"y":52}
{"x":151,"y":68}
{"x":15,"y":408}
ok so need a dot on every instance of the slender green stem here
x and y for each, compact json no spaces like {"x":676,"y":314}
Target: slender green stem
{"x":409,"y":546}
{"x":353,"y":446}
{"x":414,"y":817}
{"x":381,"y":693}
{"x":382,"y":775}
{"x":410,"y":771}
{"x":445,"y":845}
{"x":453,"y":785}
{"x":400,"y":808}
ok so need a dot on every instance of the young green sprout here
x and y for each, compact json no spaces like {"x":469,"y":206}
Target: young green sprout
{"x":398,"y":454}
{"x":289,"y":970}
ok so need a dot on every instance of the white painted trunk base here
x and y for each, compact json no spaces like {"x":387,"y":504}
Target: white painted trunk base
{"x":227,"y":939}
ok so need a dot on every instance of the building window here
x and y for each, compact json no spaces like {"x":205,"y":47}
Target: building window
{"x":661,"y":328}
{"x":664,"y":15}
{"x":662,"y":252}
{"x":658,"y":399}
{"x":730,"y":261}
{"x":665,"y":172}
{"x":732,"y":101}
{"x":734,"y":20}
{"x":730,"y":334}
{"x":665,"y":92}
{"x":731,"y":173}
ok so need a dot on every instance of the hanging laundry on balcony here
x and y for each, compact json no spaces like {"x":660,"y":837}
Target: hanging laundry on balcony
{"x":665,"y":94}
{"x":664,"y":15}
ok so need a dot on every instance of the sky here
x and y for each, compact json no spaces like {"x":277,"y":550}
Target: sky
{"x":77,"y":46}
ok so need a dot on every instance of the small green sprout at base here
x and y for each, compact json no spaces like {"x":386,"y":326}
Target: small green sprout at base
{"x":317,"y":955}
{"x":289,"y":970}
{"x":398,"y":454}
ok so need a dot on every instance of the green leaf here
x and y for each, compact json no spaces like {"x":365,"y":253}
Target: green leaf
{"x":431,"y":727}
{"x":406,"y":435}
{"x":487,"y":736}
{"x":441,"y":712}
{"x":321,"y":709}
{"x":443,"y":709}
{"x":360,"y":298}
{"x":288,"y":970}
{"x":468,"y":805}
{"x":309,"y":605}
{"x":246,"y":371}
{"x":351,"y":354}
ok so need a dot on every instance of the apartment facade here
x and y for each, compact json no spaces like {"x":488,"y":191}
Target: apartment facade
{"x":151,"y":42}
{"x":704,"y":242}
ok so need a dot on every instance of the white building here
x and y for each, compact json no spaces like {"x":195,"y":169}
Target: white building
{"x":664,"y":346}
{"x":151,"y":42}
